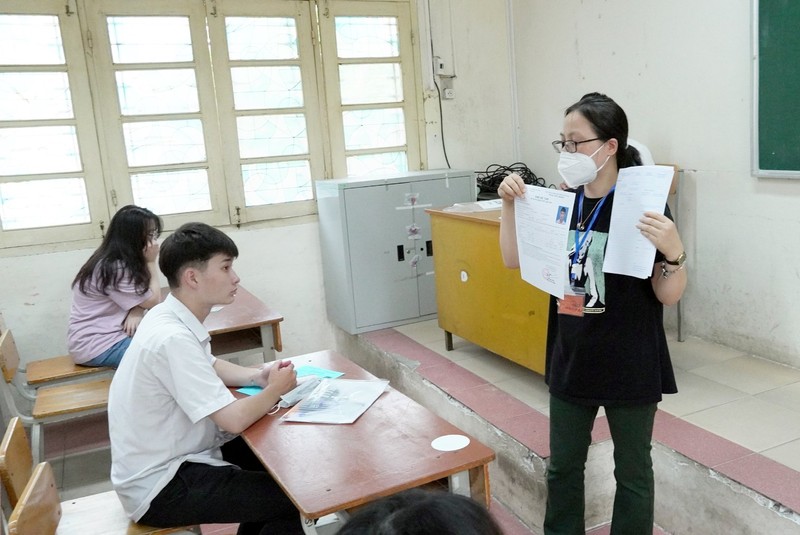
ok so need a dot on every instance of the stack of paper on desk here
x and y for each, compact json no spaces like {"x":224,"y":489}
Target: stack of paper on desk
{"x":337,"y":401}
{"x":475,"y":206}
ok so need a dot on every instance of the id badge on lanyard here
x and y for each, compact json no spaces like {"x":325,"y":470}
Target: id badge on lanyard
{"x":575,"y":296}
{"x":572,"y":302}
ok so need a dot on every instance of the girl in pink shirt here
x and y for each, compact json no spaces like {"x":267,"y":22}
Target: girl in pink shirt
{"x":114,"y":287}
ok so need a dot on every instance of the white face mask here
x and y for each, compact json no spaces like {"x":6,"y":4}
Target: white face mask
{"x":578,"y":169}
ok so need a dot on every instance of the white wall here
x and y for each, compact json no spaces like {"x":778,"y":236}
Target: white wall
{"x":478,"y":122}
{"x":681,"y":70}
{"x":280,"y":264}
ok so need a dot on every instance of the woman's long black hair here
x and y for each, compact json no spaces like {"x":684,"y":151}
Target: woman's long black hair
{"x":608,"y":121}
{"x":123,"y":246}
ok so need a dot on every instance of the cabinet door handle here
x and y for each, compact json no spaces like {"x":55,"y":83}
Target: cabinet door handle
{"x":401,"y":255}
{"x":429,"y":247}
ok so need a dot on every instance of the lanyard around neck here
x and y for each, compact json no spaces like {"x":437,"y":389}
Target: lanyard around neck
{"x":579,"y":240}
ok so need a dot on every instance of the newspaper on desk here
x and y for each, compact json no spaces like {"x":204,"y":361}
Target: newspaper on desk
{"x":337,"y":401}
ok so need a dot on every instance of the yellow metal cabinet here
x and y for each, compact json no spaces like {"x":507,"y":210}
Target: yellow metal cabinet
{"x":481,"y":300}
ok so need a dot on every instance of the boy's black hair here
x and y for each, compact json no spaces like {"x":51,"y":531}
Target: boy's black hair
{"x":192,"y":244}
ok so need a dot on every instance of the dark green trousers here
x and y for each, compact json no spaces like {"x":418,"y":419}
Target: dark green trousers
{"x":570,"y":435}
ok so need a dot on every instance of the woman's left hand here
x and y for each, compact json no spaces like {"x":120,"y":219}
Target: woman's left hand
{"x":662,"y":232}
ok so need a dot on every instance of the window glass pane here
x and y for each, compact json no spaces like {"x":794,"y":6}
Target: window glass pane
{"x":164,"y":142}
{"x":367,"y":129}
{"x":40,"y":149}
{"x":261,"y":38}
{"x":272,"y":135}
{"x":267,"y":87}
{"x":157,"y":91}
{"x":270,"y":183}
{"x":172,"y":192}
{"x":150,"y":39}
{"x":43,"y":203}
{"x":34,"y":95}
{"x":371,"y":83}
{"x":30,"y":40}
{"x":387,"y":162}
{"x":367,"y":37}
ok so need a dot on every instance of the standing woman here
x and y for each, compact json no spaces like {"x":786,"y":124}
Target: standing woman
{"x":606,"y":345}
{"x":114,"y":287}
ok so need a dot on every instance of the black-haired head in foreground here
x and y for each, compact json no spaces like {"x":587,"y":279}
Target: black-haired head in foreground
{"x":420,"y":512}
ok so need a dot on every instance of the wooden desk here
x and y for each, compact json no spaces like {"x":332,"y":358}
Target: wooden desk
{"x":245,"y":326}
{"x":328,"y":468}
{"x":478,"y":298}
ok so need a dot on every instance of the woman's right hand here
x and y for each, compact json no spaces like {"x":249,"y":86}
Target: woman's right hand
{"x":151,"y":250}
{"x":511,"y":187}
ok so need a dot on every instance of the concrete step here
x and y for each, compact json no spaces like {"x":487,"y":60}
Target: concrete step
{"x":700,"y":478}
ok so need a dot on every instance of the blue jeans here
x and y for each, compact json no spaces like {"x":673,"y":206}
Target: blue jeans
{"x":570,"y":436}
{"x":112,"y":356}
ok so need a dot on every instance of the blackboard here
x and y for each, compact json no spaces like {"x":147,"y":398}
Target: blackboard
{"x":776,"y":81}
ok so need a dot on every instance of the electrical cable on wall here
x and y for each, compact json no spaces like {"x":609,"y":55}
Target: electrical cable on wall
{"x":439,"y":94}
{"x":441,"y":121}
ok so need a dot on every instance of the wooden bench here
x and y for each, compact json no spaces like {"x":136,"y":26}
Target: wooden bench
{"x":37,"y":509}
{"x":52,"y":403}
{"x":50,"y":371}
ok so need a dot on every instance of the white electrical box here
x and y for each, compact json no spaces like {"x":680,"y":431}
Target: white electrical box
{"x":377,"y":251}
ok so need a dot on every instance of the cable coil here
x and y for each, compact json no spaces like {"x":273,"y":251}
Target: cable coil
{"x":489,"y":180}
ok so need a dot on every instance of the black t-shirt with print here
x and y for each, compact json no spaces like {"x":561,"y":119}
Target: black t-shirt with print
{"x":616,"y":354}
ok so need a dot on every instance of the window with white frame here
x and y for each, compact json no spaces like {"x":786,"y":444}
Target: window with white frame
{"x":223,"y":111}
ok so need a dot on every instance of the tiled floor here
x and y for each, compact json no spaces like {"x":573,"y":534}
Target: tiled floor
{"x":751,"y":402}
{"x":745,"y":399}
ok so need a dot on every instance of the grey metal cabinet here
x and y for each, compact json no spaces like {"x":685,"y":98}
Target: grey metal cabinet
{"x":377,"y":251}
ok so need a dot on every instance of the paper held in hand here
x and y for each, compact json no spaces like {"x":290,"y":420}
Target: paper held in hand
{"x":337,"y":401}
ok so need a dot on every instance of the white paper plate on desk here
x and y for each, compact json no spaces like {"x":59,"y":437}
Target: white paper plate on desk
{"x":450,"y":442}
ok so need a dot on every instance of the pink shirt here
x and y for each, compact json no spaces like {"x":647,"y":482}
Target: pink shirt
{"x":95,"y":320}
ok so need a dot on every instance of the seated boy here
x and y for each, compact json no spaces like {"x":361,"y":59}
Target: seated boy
{"x":176,"y":458}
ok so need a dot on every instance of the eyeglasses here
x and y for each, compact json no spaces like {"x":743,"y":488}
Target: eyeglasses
{"x":569,"y":145}
{"x":153,"y":234}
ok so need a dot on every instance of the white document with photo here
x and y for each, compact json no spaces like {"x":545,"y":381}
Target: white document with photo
{"x":639,"y":189}
{"x":542,"y":223}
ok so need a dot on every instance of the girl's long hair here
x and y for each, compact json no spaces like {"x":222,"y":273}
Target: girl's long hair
{"x":121,"y":254}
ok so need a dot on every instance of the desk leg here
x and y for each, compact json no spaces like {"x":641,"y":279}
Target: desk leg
{"x":473,"y":483}
{"x":459,"y":484}
{"x":309,"y":526}
{"x":271,"y":341}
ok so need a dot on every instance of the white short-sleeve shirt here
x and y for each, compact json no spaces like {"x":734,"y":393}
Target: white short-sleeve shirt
{"x":159,"y":405}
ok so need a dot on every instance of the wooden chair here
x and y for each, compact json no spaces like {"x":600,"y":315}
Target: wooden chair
{"x":54,"y":370}
{"x":52,"y":403}
{"x":50,"y":371}
{"x":38,"y":511}
{"x":37,"y":508}
{"x":16,"y":460}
